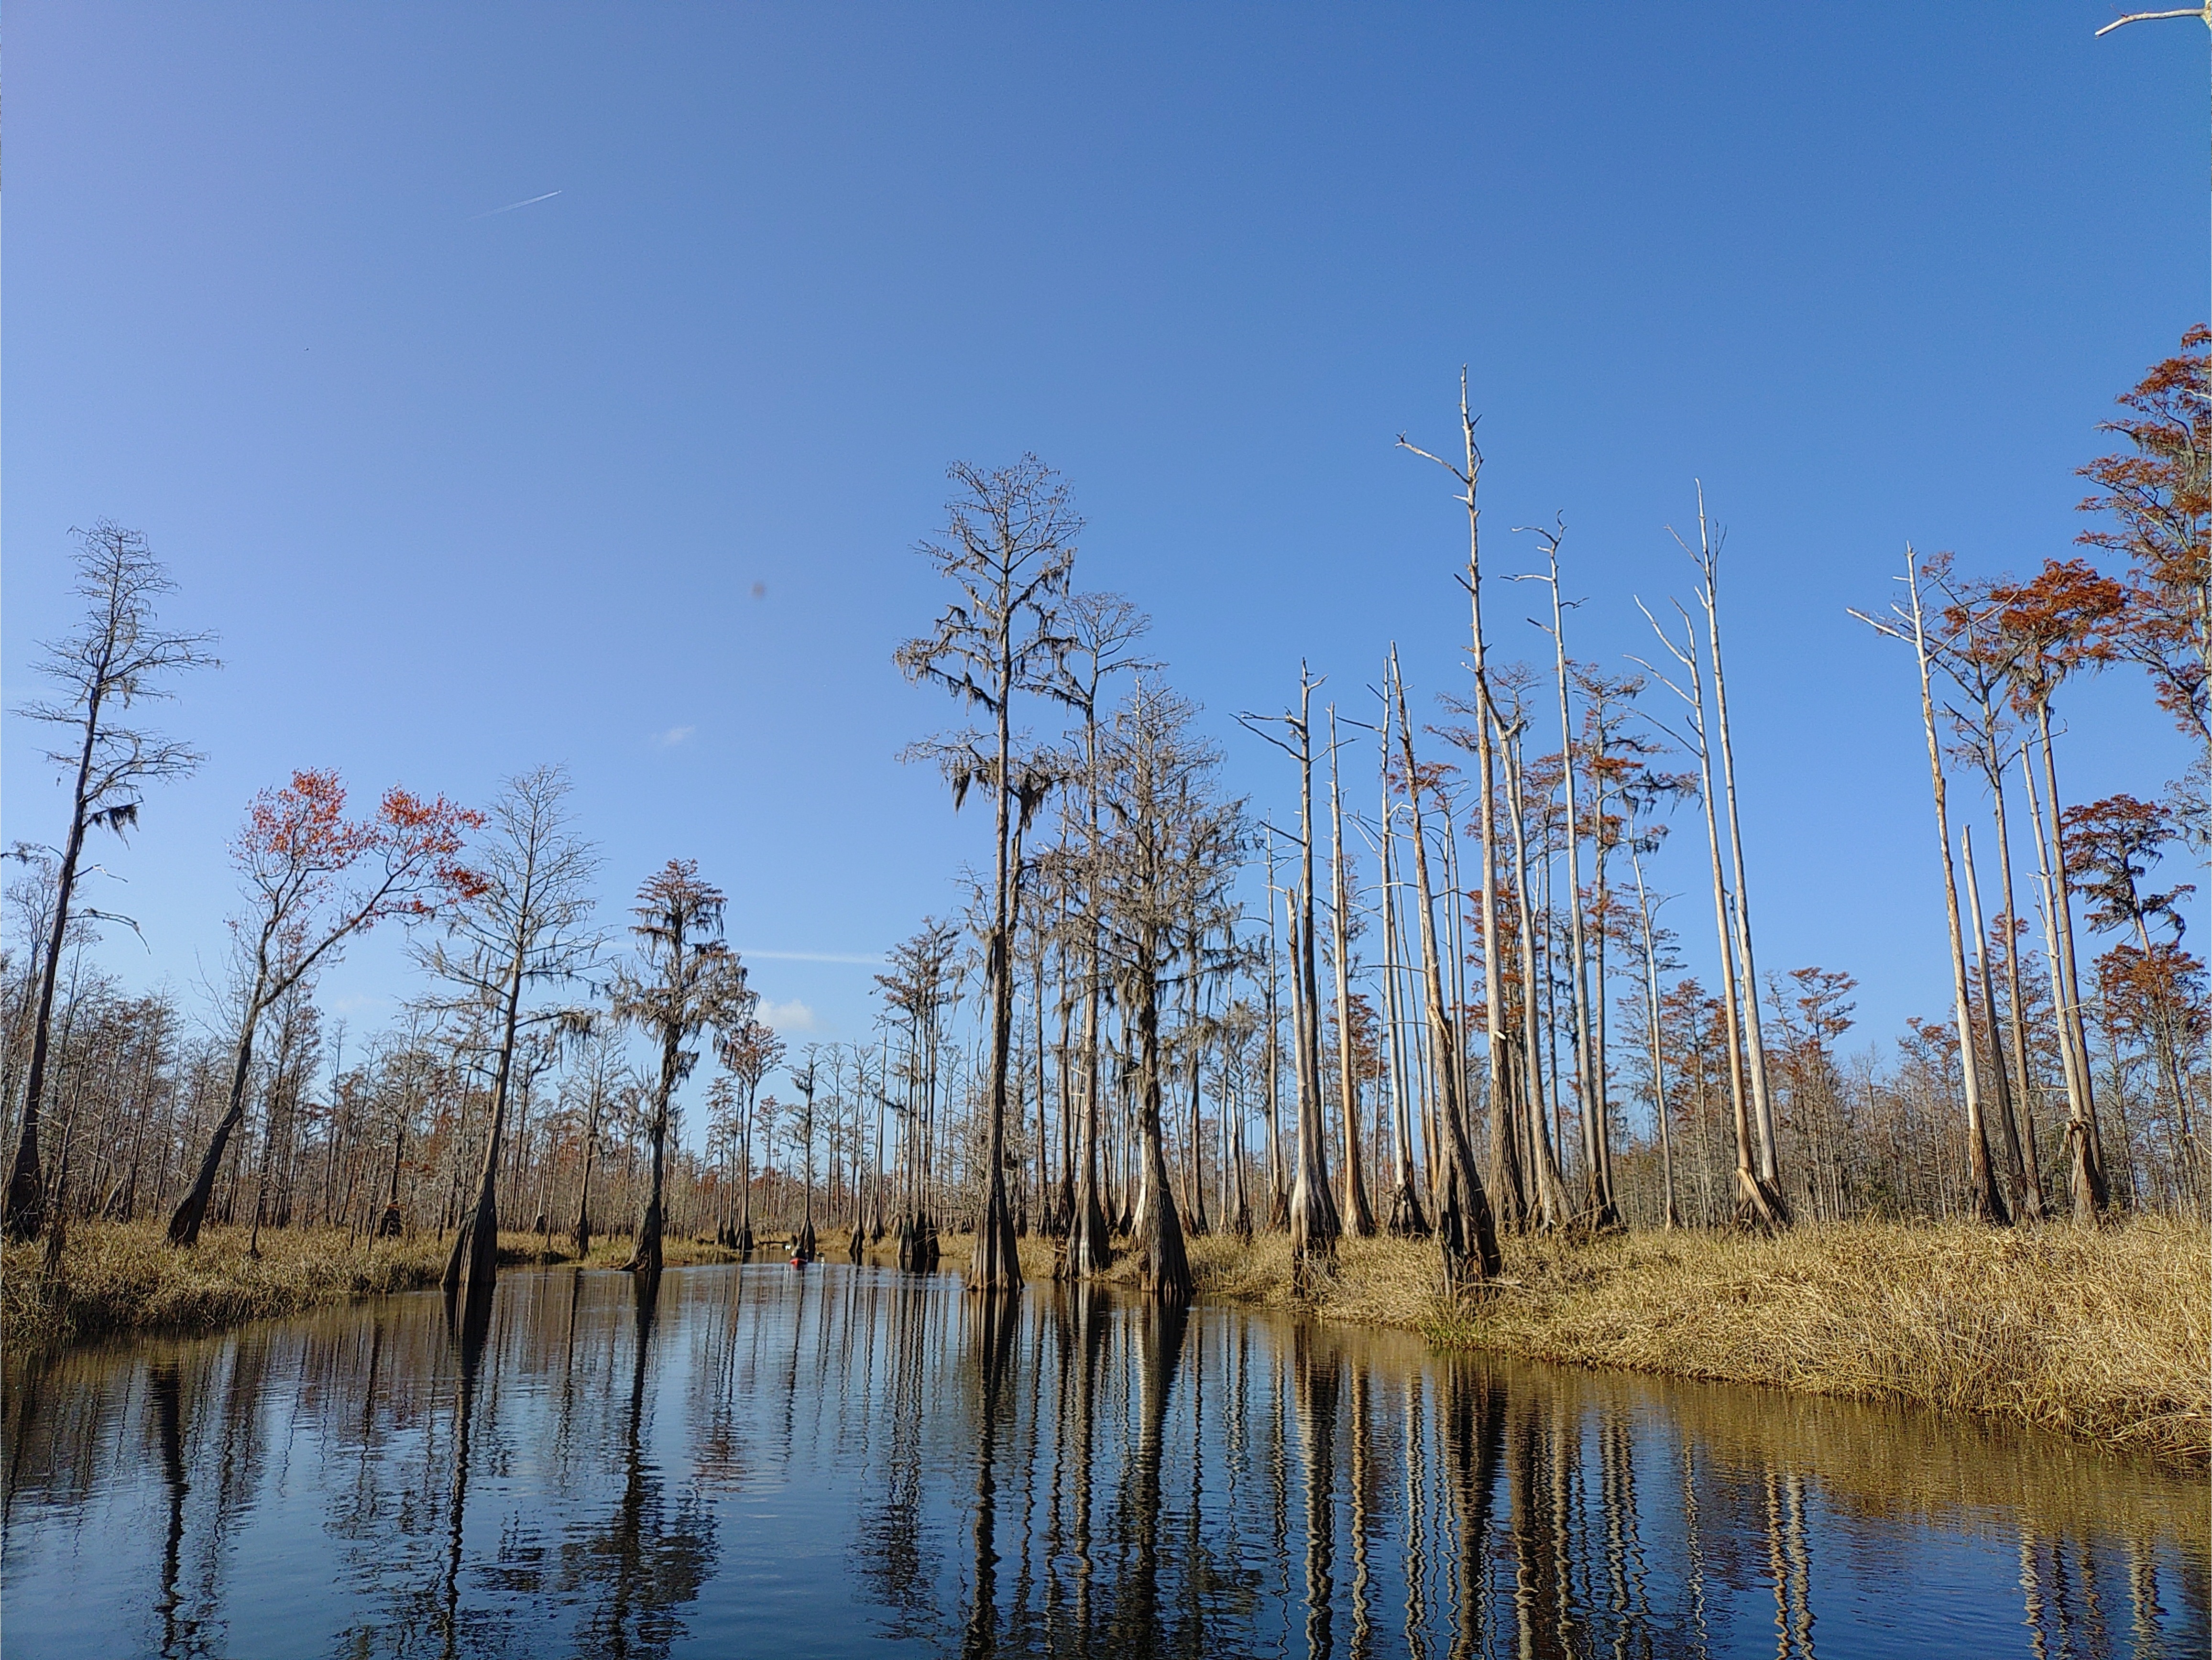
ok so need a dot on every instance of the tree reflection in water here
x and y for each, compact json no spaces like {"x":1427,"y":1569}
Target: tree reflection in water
{"x":761,"y":1462}
{"x":635,"y":1573}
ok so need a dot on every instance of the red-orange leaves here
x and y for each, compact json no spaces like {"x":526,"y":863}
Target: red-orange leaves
{"x":316,"y":876}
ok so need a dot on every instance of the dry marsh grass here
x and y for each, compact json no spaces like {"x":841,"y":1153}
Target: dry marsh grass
{"x":122,"y":1278}
{"x":2104,"y":1336}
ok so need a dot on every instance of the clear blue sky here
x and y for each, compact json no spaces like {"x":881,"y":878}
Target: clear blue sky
{"x":464,"y":490}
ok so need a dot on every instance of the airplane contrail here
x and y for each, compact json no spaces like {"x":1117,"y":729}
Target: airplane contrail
{"x":512,"y":206}
{"x":813,"y":957}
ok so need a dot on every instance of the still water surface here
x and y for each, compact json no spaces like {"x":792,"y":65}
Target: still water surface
{"x":851,"y":1460}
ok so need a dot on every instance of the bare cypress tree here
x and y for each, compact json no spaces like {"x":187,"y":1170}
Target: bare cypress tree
{"x":1974,"y":653}
{"x":1466,"y":1228}
{"x":1358,"y":1214}
{"x":1314,"y":1222}
{"x":1707,"y":557}
{"x":1508,"y":1102}
{"x":529,"y":925}
{"x":1009,"y":547}
{"x":115,"y":658}
{"x":1982,"y":1197}
{"x":1405,"y":1215}
{"x":1758,"y":1199}
{"x":687,"y":981}
{"x":1600,"y":1209}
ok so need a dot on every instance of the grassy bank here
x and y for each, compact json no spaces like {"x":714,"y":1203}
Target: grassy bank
{"x":117,"y":1278}
{"x":2106,"y":1337}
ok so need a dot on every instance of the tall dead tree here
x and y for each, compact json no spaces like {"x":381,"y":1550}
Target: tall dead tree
{"x":1758,"y":1199}
{"x":1983,"y":1198}
{"x":1973,"y":653}
{"x":1600,"y":1208}
{"x":1707,"y":557}
{"x":1358,"y":1214}
{"x":1009,"y":547}
{"x":1405,"y":1215}
{"x":1504,"y":1146}
{"x":117,"y":657}
{"x":1466,"y":1228}
{"x":1314,"y":1221}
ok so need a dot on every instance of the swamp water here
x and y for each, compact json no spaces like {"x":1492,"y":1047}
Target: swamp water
{"x":851,"y":1461}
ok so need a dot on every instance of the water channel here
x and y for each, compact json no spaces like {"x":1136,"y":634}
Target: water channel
{"x":849,"y":1461}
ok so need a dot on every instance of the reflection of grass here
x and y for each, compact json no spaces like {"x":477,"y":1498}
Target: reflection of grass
{"x":118,"y":1277}
{"x":2106,"y":1336}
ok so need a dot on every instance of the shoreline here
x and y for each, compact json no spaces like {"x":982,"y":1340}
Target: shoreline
{"x":120,"y":1281}
{"x":2103,"y":1338}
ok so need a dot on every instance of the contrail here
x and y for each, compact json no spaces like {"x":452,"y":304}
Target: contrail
{"x":813,"y":957}
{"x":512,"y":206}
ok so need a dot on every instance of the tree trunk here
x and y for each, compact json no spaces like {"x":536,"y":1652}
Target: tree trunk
{"x":2086,"y":1183}
{"x":1762,"y":1102}
{"x":2017,"y":1022}
{"x":1465,"y":1226}
{"x":1163,"y":1266}
{"x":191,"y":1211}
{"x":2007,"y":1121}
{"x":23,"y":1212}
{"x":645,"y":1258}
{"x":1986,"y":1202}
{"x":472,"y":1267}
{"x":1358,"y":1215}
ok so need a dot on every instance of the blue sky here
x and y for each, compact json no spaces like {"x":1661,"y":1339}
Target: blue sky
{"x":464,"y":490}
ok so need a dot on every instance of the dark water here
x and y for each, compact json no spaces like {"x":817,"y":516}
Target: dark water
{"x":851,"y":1462}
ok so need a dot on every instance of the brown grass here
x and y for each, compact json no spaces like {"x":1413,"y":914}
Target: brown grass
{"x":118,"y":1279}
{"x":2104,"y":1336}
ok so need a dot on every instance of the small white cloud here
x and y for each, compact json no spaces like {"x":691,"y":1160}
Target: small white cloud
{"x":672,"y":737}
{"x":793,"y":1016}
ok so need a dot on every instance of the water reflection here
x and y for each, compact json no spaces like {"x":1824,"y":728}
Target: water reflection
{"x":757,"y":1461}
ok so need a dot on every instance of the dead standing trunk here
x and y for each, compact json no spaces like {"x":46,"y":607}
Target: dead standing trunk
{"x":2086,"y":1181}
{"x":1983,"y":1197}
{"x":2016,"y":1166}
{"x":1358,"y":1215}
{"x":25,"y":1206}
{"x":1465,"y":1226}
{"x":1508,"y":1105}
{"x":1547,"y":1196}
{"x":1670,"y":1215}
{"x":1315,"y":1224}
{"x":1406,"y":1216}
{"x":1758,"y":1199}
{"x":1762,"y":1103}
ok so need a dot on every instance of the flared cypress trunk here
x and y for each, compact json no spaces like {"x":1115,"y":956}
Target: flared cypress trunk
{"x":1164,"y":1269}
